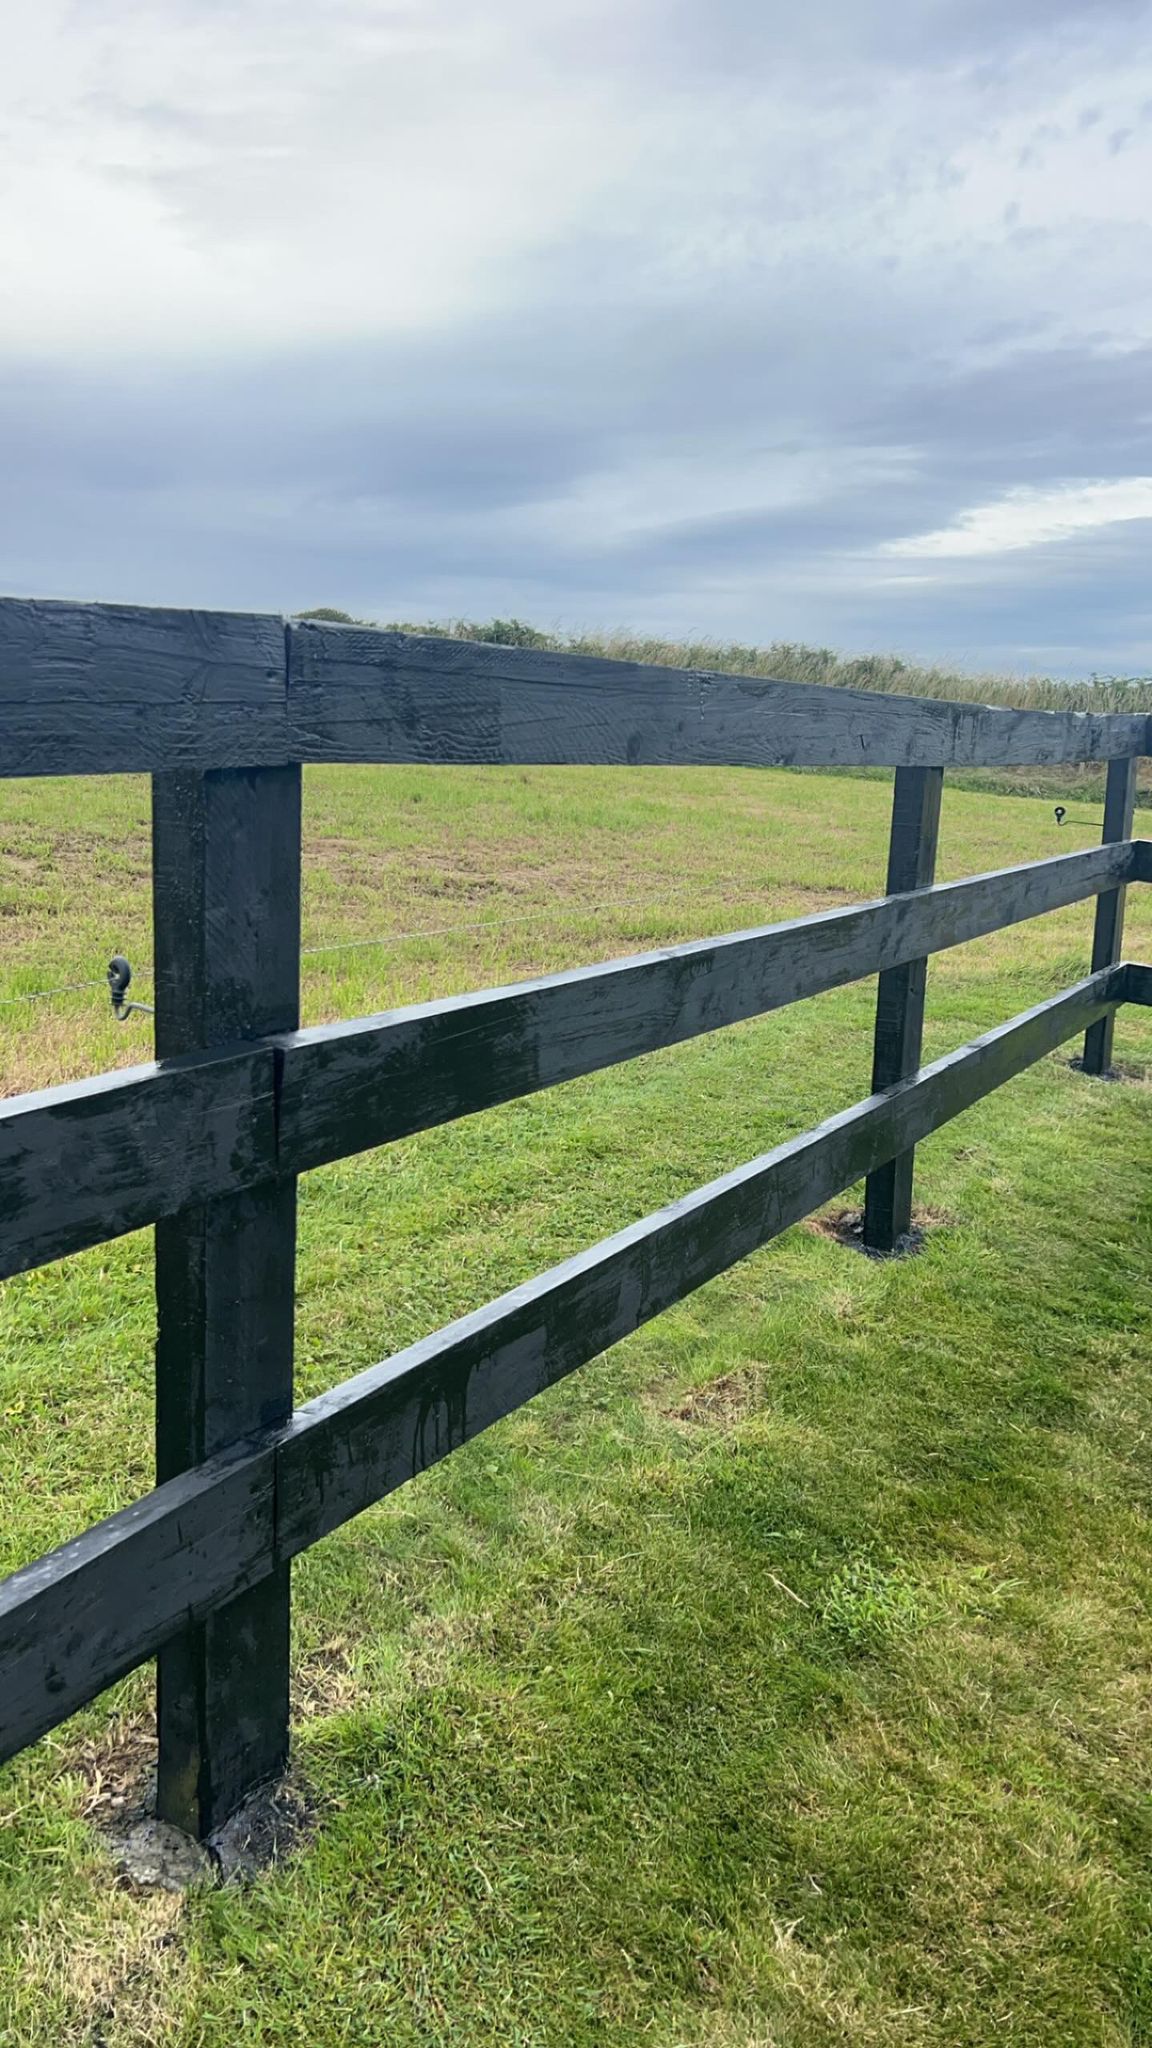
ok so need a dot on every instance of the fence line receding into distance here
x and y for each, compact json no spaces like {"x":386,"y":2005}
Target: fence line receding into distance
{"x":207,"y":1143}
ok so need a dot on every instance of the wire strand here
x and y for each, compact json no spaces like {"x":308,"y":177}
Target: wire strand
{"x":40,"y":995}
{"x":444,"y":931}
{"x":438,"y":931}
{"x":441,"y":931}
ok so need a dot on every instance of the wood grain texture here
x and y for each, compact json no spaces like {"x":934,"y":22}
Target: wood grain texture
{"x":349,"y":1086}
{"x":362,"y":695}
{"x":97,"y":689}
{"x":88,"y":1161}
{"x":82,"y":1163}
{"x":81,"y":1617}
{"x":226,"y":891}
{"x":900,"y":993}
{"x":226,"y":895}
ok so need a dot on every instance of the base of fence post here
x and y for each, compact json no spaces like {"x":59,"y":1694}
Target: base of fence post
{"x":900,"y":997}
{"x":888,"y":1204}
{"x":1097,"y":1055}
{"x":222,"y":1697}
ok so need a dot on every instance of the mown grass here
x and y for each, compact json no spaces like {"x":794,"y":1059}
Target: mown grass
{"x":785,"y":1677}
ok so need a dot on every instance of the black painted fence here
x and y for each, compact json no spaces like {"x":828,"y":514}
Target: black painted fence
{"x":207,"y":1143}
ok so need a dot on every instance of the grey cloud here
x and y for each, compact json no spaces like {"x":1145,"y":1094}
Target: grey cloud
{"x":458,"y":469}
{"x":371,"y":478}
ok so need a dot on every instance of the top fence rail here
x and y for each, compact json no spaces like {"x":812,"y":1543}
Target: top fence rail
{"x":94,"y":689}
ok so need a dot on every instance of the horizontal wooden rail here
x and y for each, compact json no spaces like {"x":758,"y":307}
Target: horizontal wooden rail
{"x":99,"y":689}
{"x":86,"y":1614}
{"x":85,"y":1162}
{"x":375,"y":1079}
{"x":362,"y":695}
{"x":74,"y":1621}
{"x":222,"y":708}
{"x":350,"y":1447}
{"x":102,"y":689}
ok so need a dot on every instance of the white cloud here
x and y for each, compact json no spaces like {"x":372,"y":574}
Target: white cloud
{"x":1031,"y":518}
{"x":234,"y":177}
{"x":228,"y":176}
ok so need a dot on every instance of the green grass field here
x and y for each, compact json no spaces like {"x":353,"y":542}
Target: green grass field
{"x":782,"y":1679}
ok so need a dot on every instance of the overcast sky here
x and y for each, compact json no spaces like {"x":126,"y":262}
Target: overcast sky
{"x":828,"y":322}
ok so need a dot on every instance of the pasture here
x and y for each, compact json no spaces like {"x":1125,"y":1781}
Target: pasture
{"x":785,"y":1677}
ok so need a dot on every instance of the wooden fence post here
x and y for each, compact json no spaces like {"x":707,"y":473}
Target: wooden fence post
{"x":226,"y":911}
{"x":900,"y":996}
{"x":1108,"y":934}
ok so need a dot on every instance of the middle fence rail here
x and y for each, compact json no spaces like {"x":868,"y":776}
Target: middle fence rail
{"x":207,"y":1142}
{"x":85,"y":1162}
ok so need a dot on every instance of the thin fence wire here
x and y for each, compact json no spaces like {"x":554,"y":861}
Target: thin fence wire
{"x":502,"y":923}
{"x":439,"y":931}
{"x":42,"y":995}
